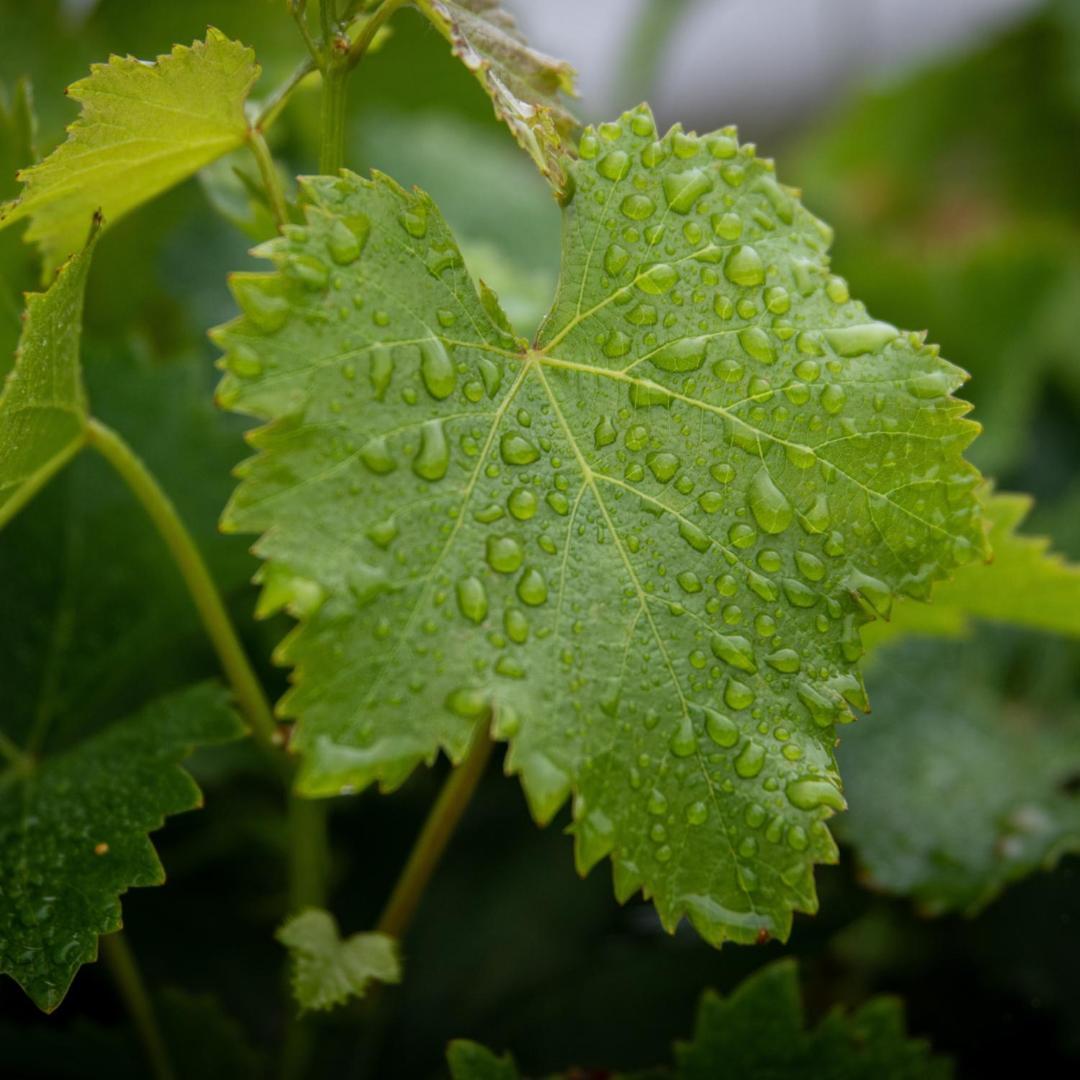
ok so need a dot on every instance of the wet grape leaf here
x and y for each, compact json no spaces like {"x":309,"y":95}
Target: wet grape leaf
{"x":144,"y":127}
{"x":1026,"y":584}
{"x":958,"y":787}
{"x":645,"y":545}
{"x":43,"y":408}
{"x":73,"y":833}
{"x":327,"y":969}
{"x":526,"y":87}
{"x":760,"y":1031}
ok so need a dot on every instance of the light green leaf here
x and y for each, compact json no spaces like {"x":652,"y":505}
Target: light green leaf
{"x":471,"y":1061}
{"x":525,"y":86}
{"x":144,"y":127}
{"x":645,"y":545}
{"x":328,"y":970}
{"x":43,"y":410}
{"x":1026,"y":584}
{"x":73,"y":833}
{"x":956,"y":788}
{"x":758,"y":1032}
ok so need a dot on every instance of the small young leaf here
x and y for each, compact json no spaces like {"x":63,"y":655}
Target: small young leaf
{"x":758,"y":1032}
{"x":73,"y":833}
{"x":646,"y":545}
{"x":1026,"y":584}
{"x":144,"y":128}
{"x":525,"y":86}
{"x":329,"y":969}
{"x":43,"y":404}
{"x":956,"y":790}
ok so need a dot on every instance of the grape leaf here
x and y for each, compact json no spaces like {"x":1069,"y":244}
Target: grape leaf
{"x":73,"y":833}
{"x":328,"y":970}
{"x":956,"y":790}
{"x":526,"y":87}
{"x":1024,"y":585}
{"x":43,"y":409}
{"x":646,"y":544}
{"x":758,"y":1032}
{"x":144,"y":128}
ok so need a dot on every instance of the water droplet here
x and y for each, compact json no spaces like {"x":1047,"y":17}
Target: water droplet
{"x":614,"y":166}
{"x":694,"y":536}
{"x":727,"y":226}
{"x":517,"y":450}
{"x":933,"y":384}
{"x":757,"y":344}
{"x":504,"y":554}
{"x":751,"y":760}
{"x":738,"y":695}
{"x":266,"y":311}
{"x":657,"y":279}
{"x":375,"y":454}
{"x":785,"y":660}
{"x":862,"y":339}
{"x":244,"y":361}
{"x":468,"y":703}
{"x":744,"y":266}
{"x":472,"y":599}
{"x":697,"y":813}
{"x":436,"y":369}
{"x":414,"y":222}
{"x":638,"y":207}
{"x":686,"y":354}
{"x":689,"y":582}
{"x":308,"y":270}
{"x":616,"y":344}
{"x":662,"y":465}
{"x":343,"y":244}
{"x":532,"y":588}
{"x":522,"y":503}
{"x":812,"y":792}
{"x":684,"y":741}
{"x":433,"y":458}
{"x":682,"y":190}
{"x":615,"y":259}
{"x":517,"y":626}
{"x":874,"y":593}
{"x":657,"y":803}
{"x":604,"y":433}
{"x":734,"y":650}
{"x":380,"y":371}
{"x":720,"y":728}
{"x":770,"y":506}
{"x":833,"y":398}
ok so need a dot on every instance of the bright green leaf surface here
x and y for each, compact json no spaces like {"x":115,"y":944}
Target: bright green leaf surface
{"x":955,"y":788}
{"x":43,"y":404}
{"x":328,"y":970}
{"x":1026,"y":584}
{"x":143,"y":129}
{"x":525,"y":86}
{"x":73,"y":834}
{"x":759,"y":1033}
{"x":646,"y":544}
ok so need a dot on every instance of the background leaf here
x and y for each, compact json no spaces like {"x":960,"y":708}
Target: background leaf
{"x":73,"y":833}
{"x":143,"y":128}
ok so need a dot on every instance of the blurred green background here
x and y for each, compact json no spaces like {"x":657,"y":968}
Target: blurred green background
{"x":952,"y":186}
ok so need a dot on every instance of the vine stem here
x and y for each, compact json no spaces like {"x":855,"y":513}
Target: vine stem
{"x":332,"y":135}
{"x":159,"y":507}
{"x":270,"y":178}
{"x":435,"y":835}
{"x":129,"y":982}
{"x":370,"y":29}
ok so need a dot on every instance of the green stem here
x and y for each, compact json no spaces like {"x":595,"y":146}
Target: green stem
{"x":158,"y":506}
{"x":308,"y":852}
{"x":299,"y":14}
{"x":277,"y":101}
{"x":367,"y":35}
{"x":270,"y":178}
{"x":332,"y":137}
{"x":435,"y":835}
{"x":125,"y":972}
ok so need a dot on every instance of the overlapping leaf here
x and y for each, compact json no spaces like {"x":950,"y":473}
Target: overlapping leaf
{"x":43,"y":410}
{"x":526,"y":87}
{"x":958,"y":789}
{"x":144,"y":128}
{"x":758,"y":1032}
{"x":328,"y":970}
{"x":1026,"y":584}
{"x":73,"y":833}
{"x":646,"y":545}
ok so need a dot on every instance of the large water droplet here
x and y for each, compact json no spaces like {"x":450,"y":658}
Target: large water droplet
{"x":436,"y":369}
{"x":862,"y":339}
{"x":734,"y":650}
{"x":433,"y":458}
{"x":472,"y":599}
{"x":751,"y":760}
{"x":657,"y":279}
{"x":720,"y":728}
{"x":375,"y":454}
{"x":812,"y":792}
{"x":770,"y":506}
{"x":744,"y":266}
{"x":504,"y":554}
{"x":682,"y":190}
{"x":686,"y":354}
{"x":517,"y":450}
{"x":532,"y":588}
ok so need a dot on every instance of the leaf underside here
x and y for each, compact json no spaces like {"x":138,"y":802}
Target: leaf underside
{"x":43,"y":408}
{"x":645,"y":545}
{"x":143,"y":128}
{"x":526,"y":87}
{"x":73,"y":834}
{"x":958,"y":789}
{"x":760,"y":1031}
{"x":328,"y":970}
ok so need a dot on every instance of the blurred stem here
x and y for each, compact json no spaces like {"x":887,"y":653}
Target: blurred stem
{"x":644,"y":49}
{"x":120,"y":961}
{"x":270,"y":177}
{"x":204,"y":593}
{"x":299,"y":14}
{"x":277,"y":101}
{"x":332,"y":137}
{"x":308,"y":852}
{"x":370,"y":29}
{"x":435,"y":835}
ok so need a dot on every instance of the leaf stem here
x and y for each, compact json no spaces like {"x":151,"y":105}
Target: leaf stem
{"x":279,"y":98}
{"x":204,"y":593}
{"x":435,"y":835}
{"x":298,"y":8}
{"x":370,"y":29}
{"x":308,"y":852}
{"x":270,"y":178}
{"x":120,"y":961}
{"x":332,"y":136}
